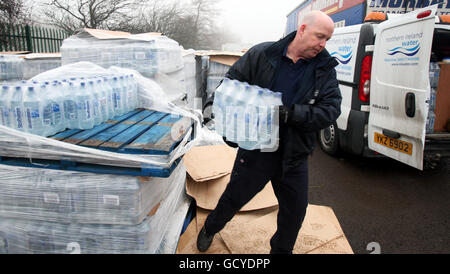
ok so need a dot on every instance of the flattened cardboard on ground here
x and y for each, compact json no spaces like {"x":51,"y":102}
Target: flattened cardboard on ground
{"x":318,"y":234}
{"x":209,"y":162}
{"x":188,"y":241}
{"x":207,"y":194}
{"x":317,"y":218}
{"x":209,"y":168}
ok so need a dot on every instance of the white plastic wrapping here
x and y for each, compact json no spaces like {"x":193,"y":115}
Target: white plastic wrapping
{"x":150,"y":95}
{"x":147,"y":54}
{"x":25,"y":236}
{"x":35,"y":64}
{"x":80,"y":197}
{"x":11,"y":67}
{"x":190,"y":81}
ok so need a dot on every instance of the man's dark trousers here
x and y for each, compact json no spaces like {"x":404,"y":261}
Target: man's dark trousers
{"x":251,"y":172}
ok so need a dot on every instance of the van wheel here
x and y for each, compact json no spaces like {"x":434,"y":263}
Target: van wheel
{"x":329,"y":140}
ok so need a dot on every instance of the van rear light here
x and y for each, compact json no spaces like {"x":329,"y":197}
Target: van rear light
{"x":364,"y":82}
{"x":424,"y":14}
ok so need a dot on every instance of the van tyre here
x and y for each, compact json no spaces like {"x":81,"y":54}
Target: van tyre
{"x":329,"y":140}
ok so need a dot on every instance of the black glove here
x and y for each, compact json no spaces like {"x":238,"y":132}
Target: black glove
{"x":285,"y":114}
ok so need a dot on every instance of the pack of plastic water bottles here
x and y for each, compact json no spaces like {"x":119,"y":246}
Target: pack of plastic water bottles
{"x":247,"y":115}
{"x":36,"y":63}
{"x":47,"y":107}
{"x":146,"y":53}
{"x":104,"y":207}
{"x":215,"y":74}
{"x":190,"y":81}
{"x":81,"y":197}
{"x":434,"y":73}
{"x":11,"y":67}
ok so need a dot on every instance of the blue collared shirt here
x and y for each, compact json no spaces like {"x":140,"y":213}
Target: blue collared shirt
{"x":289,"y":78}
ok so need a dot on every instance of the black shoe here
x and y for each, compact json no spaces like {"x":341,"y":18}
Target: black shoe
{"x":204,"y":240}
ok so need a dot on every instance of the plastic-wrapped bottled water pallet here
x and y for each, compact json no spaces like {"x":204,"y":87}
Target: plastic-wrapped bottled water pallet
{"x":140,"y":131}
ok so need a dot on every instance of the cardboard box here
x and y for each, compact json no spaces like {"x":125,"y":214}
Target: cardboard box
{"x":223,"y":57}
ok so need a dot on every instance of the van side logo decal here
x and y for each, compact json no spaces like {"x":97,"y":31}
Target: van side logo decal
{"x":343,"y":58}
{"x":405,"y":51}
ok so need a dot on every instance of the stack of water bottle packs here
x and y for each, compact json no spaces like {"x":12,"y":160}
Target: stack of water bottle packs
{"x":189,"y":71}
{"x":148,"y":54}
{"x":434,"y":80}
{"x":11,"y":67}
{"x":37,"y":63}
{"x":59,"y":211}
{"x":74,"y":212}
{"x":247,"y":114}
{"x":215,"y":74}
{"x":47,"y":107}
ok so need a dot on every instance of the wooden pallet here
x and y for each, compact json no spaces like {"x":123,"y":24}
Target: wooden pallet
{"x":140,"y":131}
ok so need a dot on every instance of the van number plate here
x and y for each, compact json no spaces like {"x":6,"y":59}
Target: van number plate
{"x":394,"y":144}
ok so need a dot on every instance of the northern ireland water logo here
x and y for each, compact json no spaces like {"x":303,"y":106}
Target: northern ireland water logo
{"x":343,"y":58}
{"x":406,"y":49}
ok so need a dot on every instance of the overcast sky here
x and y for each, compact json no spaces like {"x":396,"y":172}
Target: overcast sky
{"x":257,"y":21}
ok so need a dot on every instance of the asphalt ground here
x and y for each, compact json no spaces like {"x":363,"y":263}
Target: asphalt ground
{"x":383,"y":203}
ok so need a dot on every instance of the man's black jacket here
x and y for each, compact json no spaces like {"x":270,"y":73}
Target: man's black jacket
{"x":316,"y":104}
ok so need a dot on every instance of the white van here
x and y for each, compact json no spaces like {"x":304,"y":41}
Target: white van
{"x":383,"y":74}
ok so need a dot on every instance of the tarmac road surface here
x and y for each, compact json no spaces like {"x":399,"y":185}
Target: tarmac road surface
{"x":383,"y":203}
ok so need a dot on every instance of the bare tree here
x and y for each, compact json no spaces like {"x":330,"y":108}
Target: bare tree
{"x":192,"y":23}
{"x":12,"y":11}
{"x":71,"y":15}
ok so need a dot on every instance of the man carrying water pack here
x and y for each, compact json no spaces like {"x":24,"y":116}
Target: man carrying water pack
{"x":299,"y":67}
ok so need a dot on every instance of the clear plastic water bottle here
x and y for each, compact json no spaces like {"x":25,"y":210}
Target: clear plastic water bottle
{"x":430,"y":122}
{"x":4,"y":75}
{"x":70,"y":106}
{"x":266,"y":112}
{"x":47,"y":112}
{"x":135,"y":90}
{"x":52,"y":108}
{"x":132,"y":92}
{"x":17,"y":109}
{"x":5,"y":111}
{"x":434,"y":74}
{"x":254,"y":108}
{"x":102,"y":99}
{"x":217,"y":108}
{"x":432,"y":103}
{"x":242,"y":97}
{"x":58,"y":106}
{"x":117,"y":96}
{"x":84,"y":107}
{"x":272,"y":124}
{"x":124,"y":94}
{"x":33,"y":112}
{"x":109,"y":97}
{"x":92,"y":88}
{"x":230,"y":107}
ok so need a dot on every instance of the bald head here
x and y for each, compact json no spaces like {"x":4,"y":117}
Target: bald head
{"x":315,"y":29}
{"x":317,"y":17}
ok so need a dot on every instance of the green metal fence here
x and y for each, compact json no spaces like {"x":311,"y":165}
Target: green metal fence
{"x":30,"y":38}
